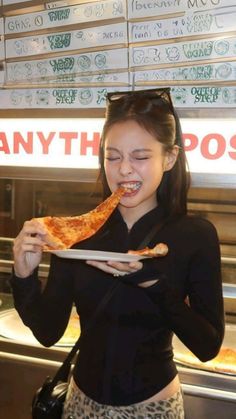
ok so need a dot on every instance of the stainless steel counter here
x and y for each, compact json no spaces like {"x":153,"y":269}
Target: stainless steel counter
{"x":208,"y":395}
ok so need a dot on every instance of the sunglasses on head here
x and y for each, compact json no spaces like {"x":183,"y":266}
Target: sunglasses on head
{"x":162,"y":94}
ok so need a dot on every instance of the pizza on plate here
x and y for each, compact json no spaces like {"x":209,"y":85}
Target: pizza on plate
{"x":63,"y":232}
{"x":160,"y":249}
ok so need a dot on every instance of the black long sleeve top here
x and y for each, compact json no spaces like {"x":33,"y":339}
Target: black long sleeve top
{"x":127,"y":355}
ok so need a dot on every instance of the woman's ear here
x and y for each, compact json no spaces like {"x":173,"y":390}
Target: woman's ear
{"x":170,"y":158}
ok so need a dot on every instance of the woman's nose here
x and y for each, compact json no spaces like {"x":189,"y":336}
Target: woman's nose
{"x":125,"y":167}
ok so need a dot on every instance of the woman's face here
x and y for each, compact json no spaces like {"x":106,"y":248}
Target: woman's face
{"x":133,"y":158}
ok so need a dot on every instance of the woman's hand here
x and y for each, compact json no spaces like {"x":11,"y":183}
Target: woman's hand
{"x":120,"y":269}
{"x":116,"y":268}
{"x":27,"y":248}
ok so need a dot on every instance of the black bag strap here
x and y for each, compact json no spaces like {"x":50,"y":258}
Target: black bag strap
{"x":151,"y":234}
{"x":64,"y":369}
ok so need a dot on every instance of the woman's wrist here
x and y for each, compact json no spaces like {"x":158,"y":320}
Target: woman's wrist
{"x":19,"y":273}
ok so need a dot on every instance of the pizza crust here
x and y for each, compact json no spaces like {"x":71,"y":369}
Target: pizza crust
{"x":160,"y":249}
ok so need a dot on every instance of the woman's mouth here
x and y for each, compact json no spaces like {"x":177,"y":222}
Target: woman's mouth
{"x":131,"y":188}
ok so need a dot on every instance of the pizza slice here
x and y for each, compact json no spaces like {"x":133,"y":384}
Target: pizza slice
{"x":63,"y":232}
{"x":160,"y":249}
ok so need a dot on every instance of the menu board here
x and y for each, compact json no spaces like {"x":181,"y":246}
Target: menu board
{"x":68,"y":54}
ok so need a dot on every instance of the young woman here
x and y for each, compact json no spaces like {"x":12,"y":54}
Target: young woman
{"x":125,"y":366}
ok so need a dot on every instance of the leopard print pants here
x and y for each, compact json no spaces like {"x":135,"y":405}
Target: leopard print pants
{"x":78,"y":406}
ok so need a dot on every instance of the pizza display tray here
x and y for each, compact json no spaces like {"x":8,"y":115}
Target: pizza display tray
{"x":185,"y":357}
{"x":12,"y":327}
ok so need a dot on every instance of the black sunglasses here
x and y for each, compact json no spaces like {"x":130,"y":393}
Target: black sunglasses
{"x":151,"y":94}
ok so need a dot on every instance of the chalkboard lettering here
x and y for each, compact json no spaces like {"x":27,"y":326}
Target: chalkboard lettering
{"x":158,"y":4}
{"x":64,"y":96}
{"x":59,"y":15}
{"x":113,"y":35}
{"x":205,"y":94}
{"x":198,"y":49}
{"x":201,"y":72}
{"x":62,"y":64}
{"x":59,"y":41}
{"x":199,"y":23}
{"x":199,"y":3}
{"x":15,"y":25}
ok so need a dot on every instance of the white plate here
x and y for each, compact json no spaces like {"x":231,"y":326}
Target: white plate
{"x":96,"y":255}
{"x":12,"y":327}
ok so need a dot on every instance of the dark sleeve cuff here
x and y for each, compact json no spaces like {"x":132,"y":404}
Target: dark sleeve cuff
{"x":18,"y":282}
{"x":24,"y":289}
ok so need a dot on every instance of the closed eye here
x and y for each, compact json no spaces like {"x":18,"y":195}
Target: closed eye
{"x":112,"y":158}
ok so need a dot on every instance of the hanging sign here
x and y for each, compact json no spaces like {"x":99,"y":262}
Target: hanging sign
{"x":210,"y":144}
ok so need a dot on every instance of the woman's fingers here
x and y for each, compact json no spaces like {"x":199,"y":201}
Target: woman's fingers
{"x":27,"y":248}
{"x":32,"y":228}
{"x":124,"y":266}
{"x":103,"y":266}
{"x":116,"y":268}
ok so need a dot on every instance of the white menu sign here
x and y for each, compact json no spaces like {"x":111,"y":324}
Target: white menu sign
{"x":81,"y":13}
{"x":210,"y":144}
{"x":67,"y":41}
{"x":142,"y":8}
